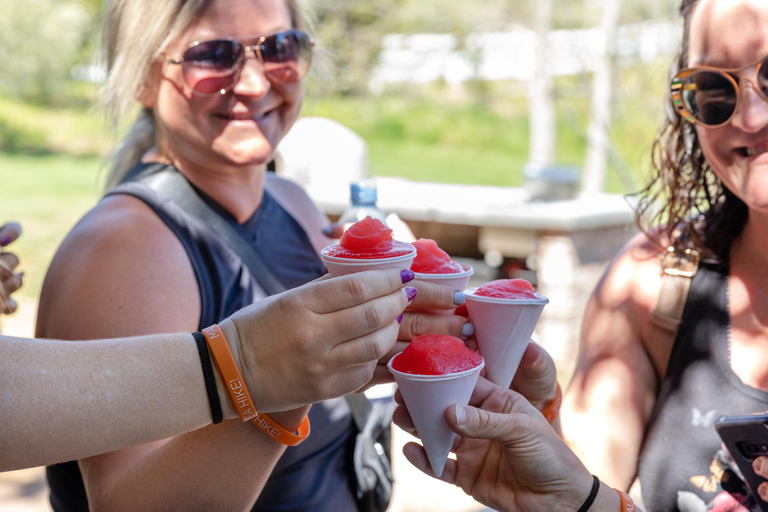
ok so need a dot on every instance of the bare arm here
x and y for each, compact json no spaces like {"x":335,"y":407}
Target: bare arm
{"x":609,"y":400}
{"x":130,"y":391}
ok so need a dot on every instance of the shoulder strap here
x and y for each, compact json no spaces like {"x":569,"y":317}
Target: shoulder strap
{"x":174,"y":186}
{"x":678,"y":269}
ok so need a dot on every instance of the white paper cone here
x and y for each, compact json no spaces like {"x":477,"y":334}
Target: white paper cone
{"x":343,"y":266}
{"x":427,"y":397}
{"x":457,"y":281}
{"x":503,"y":328}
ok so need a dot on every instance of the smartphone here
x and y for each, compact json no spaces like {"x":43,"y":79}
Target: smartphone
{"x":746,"y":437}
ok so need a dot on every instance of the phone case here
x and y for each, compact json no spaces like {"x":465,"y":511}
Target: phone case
{"x":746,"y":437}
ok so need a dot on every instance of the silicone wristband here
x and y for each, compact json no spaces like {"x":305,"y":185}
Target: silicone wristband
{"x":627,"y":505}
{"x":209,"y":378}
{"x":278,"y":433}
{"x":551,"y":411}
{"x":592,"y":495}
{"x":229,"y":372}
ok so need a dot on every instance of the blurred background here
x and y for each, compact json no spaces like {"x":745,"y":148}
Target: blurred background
{"x":518,"y":126}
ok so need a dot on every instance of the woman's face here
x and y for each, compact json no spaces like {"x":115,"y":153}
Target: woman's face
{"x":241,"y":127}
{"x":732,"y":34}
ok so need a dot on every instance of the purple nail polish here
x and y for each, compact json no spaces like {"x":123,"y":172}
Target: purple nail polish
{"x":407,"y":276}
{"x":5,"y":240}
{"x":411,"y":292}
{"x":400,"y":318}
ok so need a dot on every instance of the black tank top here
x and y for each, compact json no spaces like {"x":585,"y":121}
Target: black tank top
{"x":314,"y":476}
{"x":681,"y":460}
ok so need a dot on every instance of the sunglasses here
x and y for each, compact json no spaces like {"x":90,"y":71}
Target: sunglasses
{"x":213,"y":67}
{"x":710,"y":95}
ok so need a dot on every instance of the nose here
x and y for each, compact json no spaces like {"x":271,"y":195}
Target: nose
{"x":752,"y":114}
{"x":252,"y":81}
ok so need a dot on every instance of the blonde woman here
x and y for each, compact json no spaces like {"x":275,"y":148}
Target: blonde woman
{"x":219,"y":83}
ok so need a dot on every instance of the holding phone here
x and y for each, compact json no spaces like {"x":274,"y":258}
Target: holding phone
{"x":746,"y":437}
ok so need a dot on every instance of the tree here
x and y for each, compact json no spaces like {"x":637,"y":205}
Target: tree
{"x":598,"y":141}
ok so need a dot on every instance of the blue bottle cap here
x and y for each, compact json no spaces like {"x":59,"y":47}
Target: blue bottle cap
{"x":363,"y":192}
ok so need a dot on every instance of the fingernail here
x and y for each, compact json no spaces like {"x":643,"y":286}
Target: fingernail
{"x":458,"y":298}
{"x":411,"y":292}
{"x":400,"y":318}
{"x":758,"y":464}
{"x":461,"y":415}
{"x":468,"y":329}
{"x":5,"y":240}
{"x":407,"y":276}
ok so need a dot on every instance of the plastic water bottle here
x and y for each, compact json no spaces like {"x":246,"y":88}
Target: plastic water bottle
{"x":363,"y":204}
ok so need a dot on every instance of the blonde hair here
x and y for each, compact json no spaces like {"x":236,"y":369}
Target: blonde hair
{"x":135,"y":34}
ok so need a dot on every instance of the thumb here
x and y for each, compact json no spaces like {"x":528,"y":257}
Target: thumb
{"x":474,"y":423}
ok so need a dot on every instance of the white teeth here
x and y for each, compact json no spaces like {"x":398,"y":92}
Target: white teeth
{"x":756,"y":150}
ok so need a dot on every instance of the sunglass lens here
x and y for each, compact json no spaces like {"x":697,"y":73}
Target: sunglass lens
{"x":210,"y":67}
{"x":710,"y":97}
{"x":762,"y":76}
{"x":287,"y":55}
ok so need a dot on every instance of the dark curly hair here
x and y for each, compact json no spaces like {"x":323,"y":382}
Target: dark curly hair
{"x":685,"y":203}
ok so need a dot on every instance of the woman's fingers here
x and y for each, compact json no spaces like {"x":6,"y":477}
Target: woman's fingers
{"x":536,"y":377}
{"x":9,"y":232}
{"x":330,"y":295}
{"x":418,"y":457}
{"x":12,"y":283}
{"x":357,"y":321}
{"x":366,"y":349}
{"x":416,"y":324}
{"x":436,"y":296}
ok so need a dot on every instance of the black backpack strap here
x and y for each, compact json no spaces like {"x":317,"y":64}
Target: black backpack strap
{"x":173,"y":185}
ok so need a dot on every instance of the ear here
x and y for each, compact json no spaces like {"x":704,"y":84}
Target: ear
{"x":146,"y":95}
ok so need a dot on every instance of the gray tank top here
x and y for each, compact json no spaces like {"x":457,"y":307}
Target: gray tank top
{"x":681,"y":460}
{"x":314,"y":476}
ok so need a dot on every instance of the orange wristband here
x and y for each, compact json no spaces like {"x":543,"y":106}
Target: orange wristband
{"x":550,"y":411}
{"x":627,"y":505}
{"x":229,"y":372}
{"x":278,"y":433}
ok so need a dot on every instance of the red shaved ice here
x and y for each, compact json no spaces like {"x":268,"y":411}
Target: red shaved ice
{"x":436,"y":354}
{"x":430,"y":259}
{"x":368,"y":238}
{"x":508,"y":289}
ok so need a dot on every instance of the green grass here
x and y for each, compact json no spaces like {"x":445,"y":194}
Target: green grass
{"x":47,"y":195}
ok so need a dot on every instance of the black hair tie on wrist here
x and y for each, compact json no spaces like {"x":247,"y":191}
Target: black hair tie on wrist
{"x":592,"y":495}
{"x":209,"y":377}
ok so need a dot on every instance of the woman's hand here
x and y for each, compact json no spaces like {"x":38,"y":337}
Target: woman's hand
{"x":319,"y":341}
{"x":10,"y":281}
{"x":415,"y":322}
{"x":508,"y":457}
{"x":760,"y":465}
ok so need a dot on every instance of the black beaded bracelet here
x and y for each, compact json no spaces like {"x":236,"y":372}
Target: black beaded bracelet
{"x":209,"y":377}
{"x":592,"y":495}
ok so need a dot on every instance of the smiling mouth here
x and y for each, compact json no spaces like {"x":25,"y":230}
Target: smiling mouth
{"x":244,"y":117}
{"x":749,"y":151}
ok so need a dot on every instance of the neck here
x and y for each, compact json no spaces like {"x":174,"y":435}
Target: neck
{"x":753,"y":241}
{"x":239,"y":190}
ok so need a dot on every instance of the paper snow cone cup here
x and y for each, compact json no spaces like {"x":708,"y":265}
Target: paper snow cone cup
{"x":503,"y":328}
{"x":427,"y":397}
{"x":457,"y":281}
{"x":342,"y":266}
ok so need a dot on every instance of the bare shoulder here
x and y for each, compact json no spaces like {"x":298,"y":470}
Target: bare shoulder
{"x":294,"y":199}
{"x":618,"y":313}
{"x":120,"y":271}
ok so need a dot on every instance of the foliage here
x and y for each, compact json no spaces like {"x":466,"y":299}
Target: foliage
{"x":40,"y":42}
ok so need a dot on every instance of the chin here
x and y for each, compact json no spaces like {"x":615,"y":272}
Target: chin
{"x":250,"y":153}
